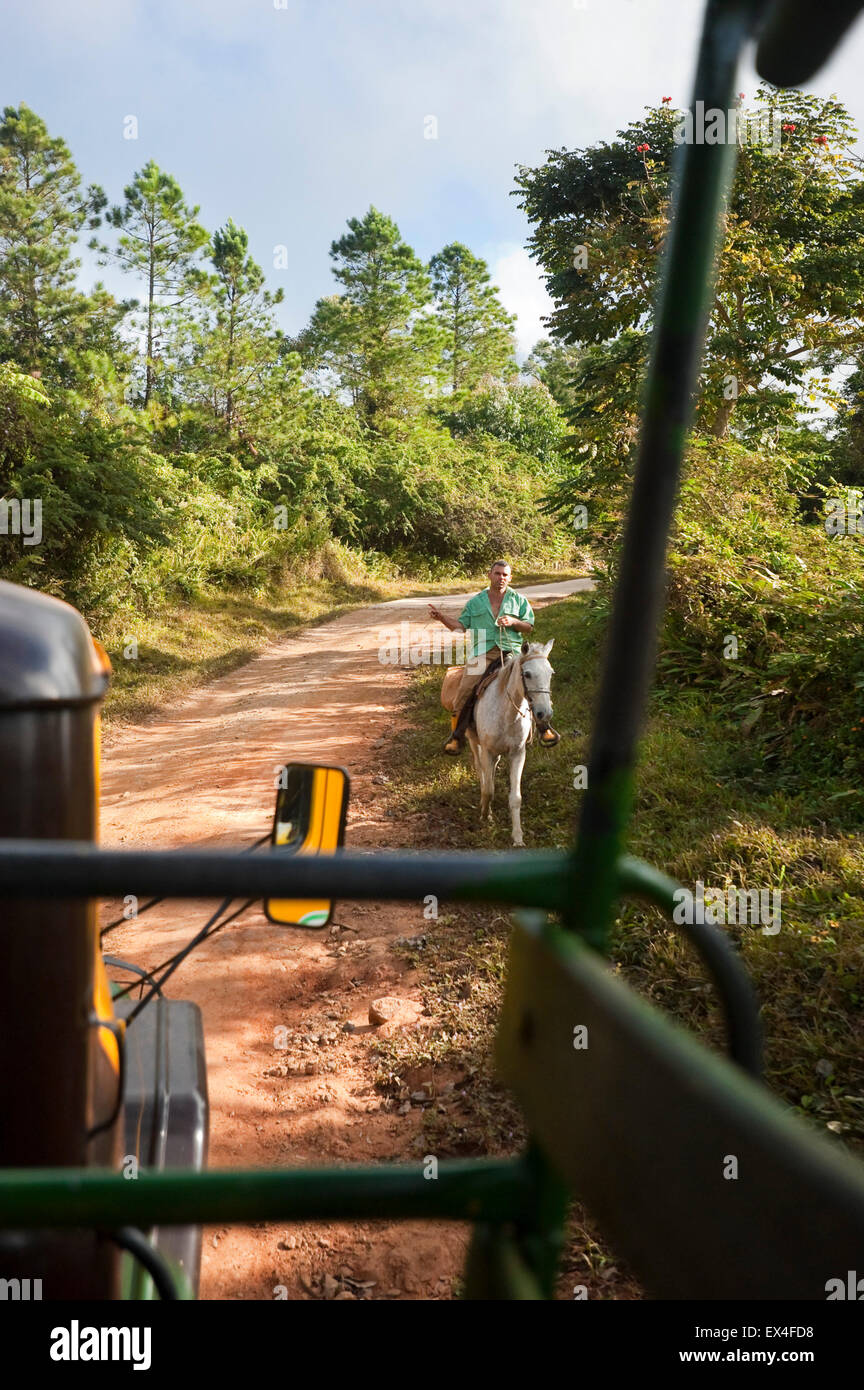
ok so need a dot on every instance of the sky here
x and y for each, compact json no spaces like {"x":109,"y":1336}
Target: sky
{"x":291,"y":116}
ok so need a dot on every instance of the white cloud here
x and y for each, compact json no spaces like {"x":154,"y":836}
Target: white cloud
{"x":522,"y":293}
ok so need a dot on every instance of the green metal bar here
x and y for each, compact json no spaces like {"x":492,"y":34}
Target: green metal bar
{"x":136,"y":1285}
{"x":698,"y":1177}
{"x":685,"y":295}
{"x":521,"y":1261}
{"x":644,"y":881}
{"x":64,"y":868}
{"x":731,"y":980}
{"x":482,"y":1190}
{"x":495,"y":1268}
{"x":540,"y":1240}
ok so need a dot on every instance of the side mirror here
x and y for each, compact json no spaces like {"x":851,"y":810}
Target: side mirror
{"x":311,"y":807}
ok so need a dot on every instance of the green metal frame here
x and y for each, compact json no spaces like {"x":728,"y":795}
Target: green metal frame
{"x":644,"y":1123}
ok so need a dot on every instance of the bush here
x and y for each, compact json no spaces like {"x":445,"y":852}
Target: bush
{"x":523,"y":414}
{"x":748,"y":576}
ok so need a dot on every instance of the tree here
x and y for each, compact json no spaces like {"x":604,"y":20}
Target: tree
{"x":236,"y":350}
{"x":159,"y":242}
{"x":846,"y":456}
{"x":477,"y":330}
{"x":46,"y":324}
{"x":375,"y":336}
{"x":791,"y":270}
{"x":555,"y":365}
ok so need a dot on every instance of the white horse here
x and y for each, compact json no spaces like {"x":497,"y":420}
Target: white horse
{"x":502,"y":719}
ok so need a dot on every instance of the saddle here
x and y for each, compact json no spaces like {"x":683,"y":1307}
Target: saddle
{"x":450,"y":685}
{"x":453,"y":676}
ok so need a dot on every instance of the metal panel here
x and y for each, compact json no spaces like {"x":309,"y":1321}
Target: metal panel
{"x":165,"y":1106}
{"x":646,"y":1125}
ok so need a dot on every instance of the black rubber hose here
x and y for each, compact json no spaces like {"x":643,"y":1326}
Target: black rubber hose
{"x":136,"y":1243}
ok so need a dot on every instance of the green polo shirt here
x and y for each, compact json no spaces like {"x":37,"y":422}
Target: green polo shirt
{"x":477,"y":617}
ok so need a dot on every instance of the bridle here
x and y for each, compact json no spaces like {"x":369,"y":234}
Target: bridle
{"x":546,"y":690}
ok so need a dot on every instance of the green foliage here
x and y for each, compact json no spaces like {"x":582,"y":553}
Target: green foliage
{"x":476,"y":328}
{"x":455,"y":501}
{"x":846,"y":459}
{"x":790,"y":282}
{"x":523,"y":414}
{"x":744,"y":565}
{"x":231,"y":363}
{"x":375,"y":337}
{"x":46,"y":325}
{"x":158,"y":243}
{"x":185,"y":453}
{"x":104,"y":498}
{"x":555,"y":365}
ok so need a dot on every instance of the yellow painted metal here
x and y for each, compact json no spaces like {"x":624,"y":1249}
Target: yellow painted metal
{"x":323,"y":835}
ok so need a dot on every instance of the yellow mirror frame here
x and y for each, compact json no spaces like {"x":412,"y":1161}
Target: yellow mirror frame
{"x":328,"y":792}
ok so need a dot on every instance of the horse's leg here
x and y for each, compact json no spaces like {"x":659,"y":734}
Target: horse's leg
{"x":472,"y":744}
{"x":487,"y":781}
{"x":517,"y":762}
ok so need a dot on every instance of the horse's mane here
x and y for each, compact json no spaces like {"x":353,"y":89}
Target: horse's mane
{"x":511,"y":671}
{"x":514,"y":687}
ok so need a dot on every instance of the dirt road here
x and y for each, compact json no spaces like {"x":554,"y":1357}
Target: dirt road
{"x":204,"y":774}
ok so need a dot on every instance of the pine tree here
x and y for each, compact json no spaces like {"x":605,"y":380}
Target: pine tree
{"x":238,"y":355}
{"x":375,"y":336}
{"x":45,"y":322}
{"x":159,"y":242}
{"x":477,"y":329}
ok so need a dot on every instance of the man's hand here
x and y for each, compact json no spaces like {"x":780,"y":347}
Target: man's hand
{"x":452,"y":623}
{"x":505,"y":620}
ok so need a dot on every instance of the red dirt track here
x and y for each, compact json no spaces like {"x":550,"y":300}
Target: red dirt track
{"x":203,"y":774}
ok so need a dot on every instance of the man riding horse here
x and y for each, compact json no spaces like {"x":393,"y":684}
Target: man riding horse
{"x":498,"y":619}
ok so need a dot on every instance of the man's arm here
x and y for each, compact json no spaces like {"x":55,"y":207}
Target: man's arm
{"x":452,"y":623}
{"x":525,"y":622}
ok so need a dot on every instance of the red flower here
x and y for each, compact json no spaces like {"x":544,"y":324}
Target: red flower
{"x":820,"y":139}
{"x":665,"y":99}
{"x":741,"y":96}
{"x":640,"y":149}
{"x":788,"y":125}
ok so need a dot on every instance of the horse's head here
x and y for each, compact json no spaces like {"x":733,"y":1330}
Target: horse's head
{"x":537,"y":680}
